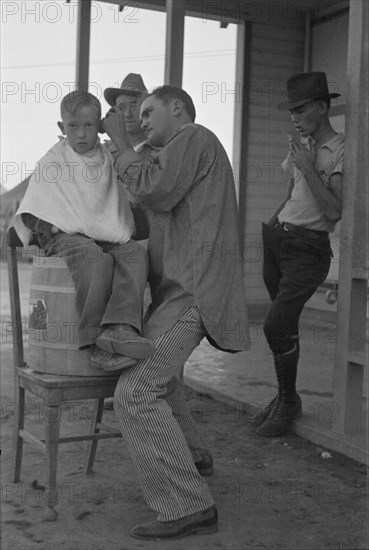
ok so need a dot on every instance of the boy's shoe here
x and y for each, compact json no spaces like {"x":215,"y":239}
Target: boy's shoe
{"x":110,"y":362}
{"x":124,"y":340}
{"x":200,"y":523}
{"x":205,"y":467}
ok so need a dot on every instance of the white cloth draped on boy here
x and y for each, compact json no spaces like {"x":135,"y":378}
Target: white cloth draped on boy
{"x":78,"y":194}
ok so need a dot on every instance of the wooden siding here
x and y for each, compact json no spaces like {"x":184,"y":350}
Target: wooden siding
{"x":330,"y":55}
{"x":275,"y":52}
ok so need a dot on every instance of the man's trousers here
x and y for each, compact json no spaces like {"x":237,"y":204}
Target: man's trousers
{"x":294,"y":266}
{"x":157,"y":425}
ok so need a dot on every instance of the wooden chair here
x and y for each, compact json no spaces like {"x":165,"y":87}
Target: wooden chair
{"x":54,"y":390}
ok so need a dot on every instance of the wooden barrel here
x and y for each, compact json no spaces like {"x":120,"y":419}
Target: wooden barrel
{"x":53,"y":322}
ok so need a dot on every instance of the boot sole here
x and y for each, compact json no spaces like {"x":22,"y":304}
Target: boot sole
{"x":206,"y":530}
{"x":274,"y":434}
{"x":282,"y":431}
{"x":206,"y":472}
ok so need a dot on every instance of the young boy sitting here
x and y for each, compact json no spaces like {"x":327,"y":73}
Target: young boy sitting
{"x":78,"y":210}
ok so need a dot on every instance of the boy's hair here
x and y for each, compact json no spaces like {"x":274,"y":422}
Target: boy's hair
{"x":73,"y":101}
{"x":165,"y":93}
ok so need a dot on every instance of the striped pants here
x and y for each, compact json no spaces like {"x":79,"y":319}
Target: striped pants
{"x":158,"y":427}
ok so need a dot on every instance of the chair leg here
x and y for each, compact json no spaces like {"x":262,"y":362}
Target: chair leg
{"x":94,"y":430}
{"x":18,"y":425}
{"x":52,"y":431}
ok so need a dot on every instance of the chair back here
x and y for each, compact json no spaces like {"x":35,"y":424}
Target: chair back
{"x":14,"y":242}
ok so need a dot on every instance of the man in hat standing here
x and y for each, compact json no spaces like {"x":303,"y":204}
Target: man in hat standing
{"x":127,"y":99}
{"x":297,"y":250}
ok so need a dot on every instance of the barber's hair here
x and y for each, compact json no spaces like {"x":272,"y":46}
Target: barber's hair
{"x":73,"y":101}
{"x":166,"y":93}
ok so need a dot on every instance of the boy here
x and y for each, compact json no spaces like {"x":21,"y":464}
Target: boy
{"x":75,"y":206}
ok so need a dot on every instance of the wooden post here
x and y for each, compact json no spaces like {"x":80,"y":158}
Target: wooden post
{"x":351,"y":357}
{"x":83,"y":44}
{"x":174,"y":57}
{"x":239,"y":105}
{"x":307,"y":43}
{"x":241,"y":121}
{"x":15,"y":304}
{"x":174,"y":43}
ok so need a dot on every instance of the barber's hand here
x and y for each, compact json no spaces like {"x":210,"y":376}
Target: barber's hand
{"x":115,"y":126}
{"x":302,"y":158}
{"x":113,"y":110}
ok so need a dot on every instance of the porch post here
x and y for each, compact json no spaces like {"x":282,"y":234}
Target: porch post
{"x":174,"y":42}
{"x":351,"y":355}
{"x":83,"y":44}
{"x":307,"y":44}
{"x":241,"y":121}
{"x":239,"y":105}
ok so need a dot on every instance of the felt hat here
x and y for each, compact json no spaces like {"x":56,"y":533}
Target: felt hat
{"x":132,"y":85}
{"x":305,"y":87}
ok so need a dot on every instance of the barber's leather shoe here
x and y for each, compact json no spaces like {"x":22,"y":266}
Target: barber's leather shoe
{"x":200,"y":523}
{"x":124,"y":340}
{"x":206,"y":466}
{"x":110,"y":362}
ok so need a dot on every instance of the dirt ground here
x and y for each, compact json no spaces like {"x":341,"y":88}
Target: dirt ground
{"x":271,"y":493}
{"x":276,"y":493}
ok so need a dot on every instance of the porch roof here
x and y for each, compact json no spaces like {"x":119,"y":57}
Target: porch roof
{"x":234,"y":10}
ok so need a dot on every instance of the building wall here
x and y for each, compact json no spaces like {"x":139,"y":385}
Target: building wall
{"x":329,"y":54}
{"x":273,"y":53}
{"x":329,"y":51}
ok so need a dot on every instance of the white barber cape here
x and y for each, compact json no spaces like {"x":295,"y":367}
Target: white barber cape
{"x":78,"y":194}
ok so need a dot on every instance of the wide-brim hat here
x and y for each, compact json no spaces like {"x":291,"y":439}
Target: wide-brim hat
{"x":132,"y":85}
{"x":305,"y":87}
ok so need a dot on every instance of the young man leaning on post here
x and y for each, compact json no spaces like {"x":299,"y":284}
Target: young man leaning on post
{"x":297,"y":252}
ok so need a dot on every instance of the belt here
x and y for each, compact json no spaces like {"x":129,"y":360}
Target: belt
{"x":312,"y":233}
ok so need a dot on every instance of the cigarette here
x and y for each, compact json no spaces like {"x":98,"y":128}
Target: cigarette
{"x":290,"y":138}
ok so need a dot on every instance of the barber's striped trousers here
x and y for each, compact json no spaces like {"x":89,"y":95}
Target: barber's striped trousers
{"x":161,"y":435}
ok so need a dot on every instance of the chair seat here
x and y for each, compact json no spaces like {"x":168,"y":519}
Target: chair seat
{"x":63,"y":381}
{"x":56,"y":389}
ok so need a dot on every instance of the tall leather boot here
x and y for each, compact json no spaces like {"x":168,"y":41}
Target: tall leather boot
{"x":265,"y":412}
{"x":286,"y":406}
